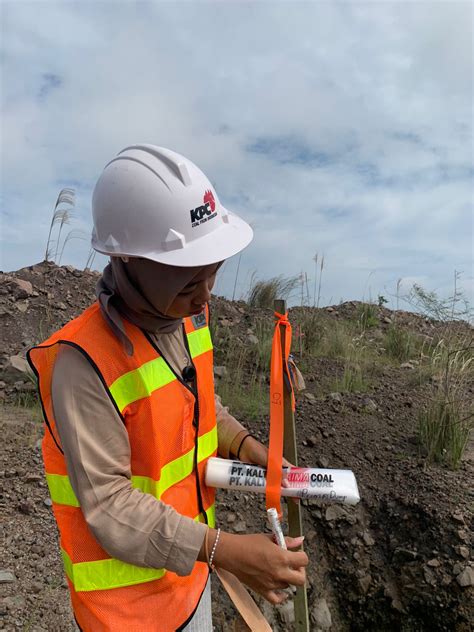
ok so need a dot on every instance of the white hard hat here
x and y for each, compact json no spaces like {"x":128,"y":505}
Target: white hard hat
{"x":151,"y":202}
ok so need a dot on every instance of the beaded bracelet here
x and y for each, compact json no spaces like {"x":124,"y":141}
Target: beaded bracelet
{"x":210,"y":558}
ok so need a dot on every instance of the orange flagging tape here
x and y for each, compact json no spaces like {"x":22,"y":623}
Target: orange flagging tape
{"x":279,"y":367}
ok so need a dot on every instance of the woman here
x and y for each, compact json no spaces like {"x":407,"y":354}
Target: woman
{"x":131,"y":415}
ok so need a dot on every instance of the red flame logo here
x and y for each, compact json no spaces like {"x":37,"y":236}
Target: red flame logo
{"x":209,"y":199}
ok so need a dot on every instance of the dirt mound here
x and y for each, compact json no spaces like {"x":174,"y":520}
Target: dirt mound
{"x":400,"y":560}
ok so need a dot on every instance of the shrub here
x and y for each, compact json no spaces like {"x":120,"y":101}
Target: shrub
{"x":367,"y":316}
{"x":399,"y":343}
{"x":264,"y":293}
{"x":262,"y":351}
{"x":244,"y":392}
{"x":353,"y":378}
{"x":321,"y":336}
{"x":445,"y":422}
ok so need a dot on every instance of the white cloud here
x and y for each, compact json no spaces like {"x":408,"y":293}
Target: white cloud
{"x":358,"y":114}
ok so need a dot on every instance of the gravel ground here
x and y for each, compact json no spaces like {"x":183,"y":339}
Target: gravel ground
{"x":401,"y":560}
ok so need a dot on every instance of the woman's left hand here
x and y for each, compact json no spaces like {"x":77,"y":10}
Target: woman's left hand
{"x":253,"y":451}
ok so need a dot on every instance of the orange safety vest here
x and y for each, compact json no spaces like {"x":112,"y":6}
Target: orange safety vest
{"x":172,"y":434}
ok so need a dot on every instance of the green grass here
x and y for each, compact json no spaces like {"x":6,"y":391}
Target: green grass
{"x":354,"y":378}
{"x":399,"y":343}
{"x":244,"y":391}
{"x":264,"y":293}
{"x":367,"y":316}
{"x":352,"y":381}
{"x":245,"y":401}
{"x":262,"y":352}
{"x":317,"y":335}
{"x":443,"y":432}
{"x":446,"y":419}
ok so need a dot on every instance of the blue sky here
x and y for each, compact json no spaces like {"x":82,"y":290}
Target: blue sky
{"x":342,"y":128}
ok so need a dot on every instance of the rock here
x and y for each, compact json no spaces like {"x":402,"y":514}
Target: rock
{"x":463,"y":551}
{"x":21,"y":288}
{"x":33,"y":478}
{"x":334,"y":512}
{"x":404,"y":555}
{"x":336,"y":397}
{"x":22,"y":306}
{"x":252,"y":339}
{"x":231,"y":518}
{"x":311,"y":441}
{"x":311,"y":536}
{"x":369,"y":456}
{"x":16,"y":368}
{"x":310,"y":397}
{"x":397,"y":605}
{"x":463,"y":535}
{"x":434,"y":563}
{"x":47,"y":502}
{"x":220,"y":371}
{"x":61,"y":306}
{"x":14,"y":602}
{"x":387,"y":320}
{"x":287,"y":613}
{"x":25,"y":387}
{"x":26,"y":508}
{"x":323,"y":462}
{"x":429,"y":576}
{"x":321,"y":615}
{"x":240,"y":527}
{"x":36,"y":587}
{"x":407,"y":365}
{"x":368,"y":539}
{"x":458,"y":517}
{"x":269,"y":612}
{"x":466,"y":577}
{"x":446,"y":580}
{"x":369,"y":405}
{"x":330,"y":309}
{"x":364,"y":584}
{"x":7,"y":577}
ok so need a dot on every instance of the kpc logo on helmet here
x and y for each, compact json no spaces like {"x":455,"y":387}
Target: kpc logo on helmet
{"x":204,"y":213}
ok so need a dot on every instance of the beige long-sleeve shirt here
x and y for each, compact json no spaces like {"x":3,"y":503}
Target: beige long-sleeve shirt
{"x":130,"y":525}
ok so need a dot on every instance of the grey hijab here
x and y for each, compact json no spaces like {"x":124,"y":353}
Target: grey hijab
{"x":141,"y":291}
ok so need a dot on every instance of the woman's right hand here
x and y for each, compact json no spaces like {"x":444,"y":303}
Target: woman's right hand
{"x":261,"y":564}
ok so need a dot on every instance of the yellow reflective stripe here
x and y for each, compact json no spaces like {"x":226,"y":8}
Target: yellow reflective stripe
{"x":207,"y":443}
{"x":141,"y":382}
{"x":172,"y":473}
{"x":106,"y":574}
{"x":177,"y":470}
{"x":61,"y":491}
{"x":211,"y":516}
{"x":112,"y":573}
{"x":199,"y":341}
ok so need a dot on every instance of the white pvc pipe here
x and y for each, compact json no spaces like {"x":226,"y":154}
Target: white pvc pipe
{"x":301,"y":482}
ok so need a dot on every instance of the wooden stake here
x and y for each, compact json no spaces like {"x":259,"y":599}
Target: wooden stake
{"x":295,"y":523}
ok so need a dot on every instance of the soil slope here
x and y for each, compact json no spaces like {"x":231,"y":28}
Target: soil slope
{"x":400,"y":560}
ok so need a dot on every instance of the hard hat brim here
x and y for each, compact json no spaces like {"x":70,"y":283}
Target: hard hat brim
{"x":218,"y":245}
